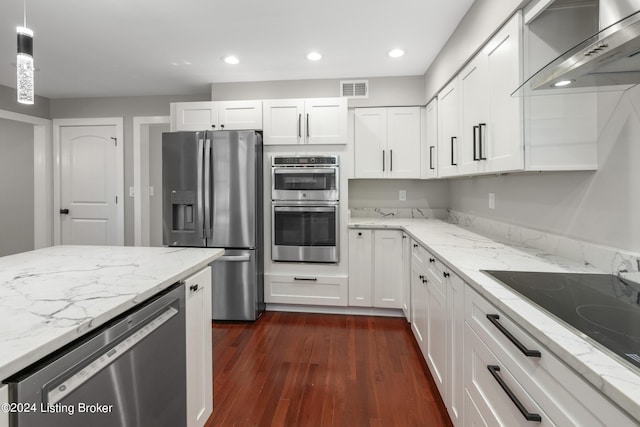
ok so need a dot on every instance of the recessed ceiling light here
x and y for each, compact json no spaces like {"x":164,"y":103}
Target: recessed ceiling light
{"x":314,"y":56}
{"x":396,"y":53}
{"x":562,"y":83}
{"x":231,"y":60}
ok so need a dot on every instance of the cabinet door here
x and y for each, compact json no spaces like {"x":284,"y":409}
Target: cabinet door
{"x":4,"y":399}
{"x":370,"y":142}
{"x":455,"y":341}
{"x":503,"y":137}
{"x":284,"y":121}
{"x":199,"y":352}
{"x":194,"y":116}
{"x":437,"y":334}
{"x":403,"y":142}
{"x":419,"y":307}
{"x":388,"y":268}
{"x":472,"y":83}
{"x":326,"y":120}
{"x":240,"y":115}
{"x":448,"y":133}
{"x":429,"y":133}
{"x":360,"y":268}
{"x":406,"y":276}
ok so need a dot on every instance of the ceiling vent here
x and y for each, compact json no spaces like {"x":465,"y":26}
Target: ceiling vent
{"x":354,"y":88}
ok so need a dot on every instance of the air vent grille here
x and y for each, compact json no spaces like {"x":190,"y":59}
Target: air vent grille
{"x":354,"y":89}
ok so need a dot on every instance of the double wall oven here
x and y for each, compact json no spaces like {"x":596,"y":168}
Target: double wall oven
{"x":305,"y":198}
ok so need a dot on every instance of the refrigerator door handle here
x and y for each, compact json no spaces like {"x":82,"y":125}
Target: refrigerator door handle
{"x":199,"y":192}
{"x":207,"y":190}
{"x":235,"y":258}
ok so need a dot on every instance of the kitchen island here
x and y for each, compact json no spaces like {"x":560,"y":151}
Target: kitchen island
{"x":50,"y":297}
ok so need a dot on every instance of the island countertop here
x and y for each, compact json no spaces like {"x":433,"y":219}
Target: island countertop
{"x":51,"y":296}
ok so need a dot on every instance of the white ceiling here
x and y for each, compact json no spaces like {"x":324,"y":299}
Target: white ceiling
{"x":87,"y":48}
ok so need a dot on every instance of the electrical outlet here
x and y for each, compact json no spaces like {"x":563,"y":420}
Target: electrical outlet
{"x":151,"y":191}
{"x":492,"y":200}
{"x":132,"y":192}
{"x":402,"y":195}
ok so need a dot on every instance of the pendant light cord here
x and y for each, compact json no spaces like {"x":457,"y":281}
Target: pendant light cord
{"x":24,"y":5}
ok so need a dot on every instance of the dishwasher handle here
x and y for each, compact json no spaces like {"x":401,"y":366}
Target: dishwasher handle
{"x":107,"y":356}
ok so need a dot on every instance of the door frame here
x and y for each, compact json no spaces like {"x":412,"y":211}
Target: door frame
{"x":58,"y":124}
{"x":42,"y":197}
{"x":141,"y":198}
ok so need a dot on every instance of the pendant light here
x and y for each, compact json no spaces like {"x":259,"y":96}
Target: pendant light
{"x":24,"y":62}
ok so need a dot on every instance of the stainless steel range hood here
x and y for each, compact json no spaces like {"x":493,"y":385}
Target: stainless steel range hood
{"x":609,"y":58}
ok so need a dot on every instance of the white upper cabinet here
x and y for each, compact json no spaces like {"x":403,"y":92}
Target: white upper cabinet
{"x":223,"y":115}
{"x":429,"y":152}
{"x":387,"y":142}
{"x":448,"y":130}
{"x":305,"y":121}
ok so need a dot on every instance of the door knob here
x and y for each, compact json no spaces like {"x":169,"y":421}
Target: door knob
{"x":64,"y":211}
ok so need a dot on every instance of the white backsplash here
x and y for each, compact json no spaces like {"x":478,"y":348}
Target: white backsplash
{"x":399,"y":213}
{"x":604,"y":258}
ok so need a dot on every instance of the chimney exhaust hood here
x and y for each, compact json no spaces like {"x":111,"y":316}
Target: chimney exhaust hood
{"x":609,"y":58}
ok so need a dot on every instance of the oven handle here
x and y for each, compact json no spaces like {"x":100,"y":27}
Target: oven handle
{"x":304,"y":169}
{"x":289,"y":208}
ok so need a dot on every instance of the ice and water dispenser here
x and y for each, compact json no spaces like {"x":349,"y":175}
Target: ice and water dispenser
{"x":183,"y":205}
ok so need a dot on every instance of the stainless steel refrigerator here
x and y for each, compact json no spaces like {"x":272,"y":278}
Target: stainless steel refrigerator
{"x":212,"y":197}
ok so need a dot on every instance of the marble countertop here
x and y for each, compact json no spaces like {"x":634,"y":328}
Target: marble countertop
{"x":49,"y":297}
{"x":466,"y":253}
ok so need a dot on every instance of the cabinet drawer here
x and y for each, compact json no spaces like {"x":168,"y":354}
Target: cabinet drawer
{"x":496,"y":403}
{"x":562,"y":393}
{"x":419,"y":254}
{"x":306,"y":289}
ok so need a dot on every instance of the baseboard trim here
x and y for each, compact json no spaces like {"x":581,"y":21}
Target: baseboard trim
{"x":320,"y":309}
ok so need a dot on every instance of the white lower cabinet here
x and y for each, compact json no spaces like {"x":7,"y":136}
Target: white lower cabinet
{"x":199,"y":350}
{"x":4,"y":399}
{"x":306,"y":289}
{"x":376,"y":268}
{"x":405,"y":302}
{"x":542,"y":384}
{"x":419,"y":301}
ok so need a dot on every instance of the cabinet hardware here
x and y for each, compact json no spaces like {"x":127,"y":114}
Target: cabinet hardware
{"x":453,"y":139}
{"x":425,"y":281}
{"x":415,"y":246}
{"x":445,"y":274}
{"x":404,"y":236}
{"x":193,"y":288}
{"x":359,"y":233}
{"x":306,"y":279}
{"x":421,"y":277}
{"x":221,"y":126}
{"x":299,"y":125}
{"x":213,"y":126}
{"x":391,"y":160}
{"x":475,"y":143}
{"x":308,"y":128}
{"x":493,"y":318}
{"x":529,"y":416}
{"x":382,"y":160}
{"x":481,"y":126}
{"x":64,"y":211}
{"x":431,"y":157}
{"x":432,"y":260}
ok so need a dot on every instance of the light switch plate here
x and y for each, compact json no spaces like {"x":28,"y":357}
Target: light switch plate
{"x":402,"y":195}
{"x":492,"y":200}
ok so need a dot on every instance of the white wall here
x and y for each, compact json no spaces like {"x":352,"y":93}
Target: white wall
{"x":16,"y":187}
{"x":383,"y":91}
{"x":383,"y":193}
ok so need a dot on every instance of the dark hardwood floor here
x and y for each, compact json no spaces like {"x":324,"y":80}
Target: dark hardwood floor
{"x":302,"y":370}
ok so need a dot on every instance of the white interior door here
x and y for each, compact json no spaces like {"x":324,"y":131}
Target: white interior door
{"x":89,"y":185}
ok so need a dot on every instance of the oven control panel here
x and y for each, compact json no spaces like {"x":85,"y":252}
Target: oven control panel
{"x":305,"y":161}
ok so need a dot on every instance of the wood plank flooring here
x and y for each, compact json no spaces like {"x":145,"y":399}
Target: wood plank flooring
{"x":290,"y":369}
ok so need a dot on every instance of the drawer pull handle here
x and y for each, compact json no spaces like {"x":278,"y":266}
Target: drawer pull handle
{"x":526,"y":414}
{"x":432,"y":260}
{"x":493,"y":318}
{"x":193,"y":288}
{"x":445,"y":274}
{"x":307,"y":279}
{"x":421,"y":277}
{"x":415,"y":246}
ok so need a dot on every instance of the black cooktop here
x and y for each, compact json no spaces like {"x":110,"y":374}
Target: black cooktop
{"x":601,"y":306}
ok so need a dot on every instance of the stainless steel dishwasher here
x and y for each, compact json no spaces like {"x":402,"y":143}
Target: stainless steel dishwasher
{"x":129,"y":373}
